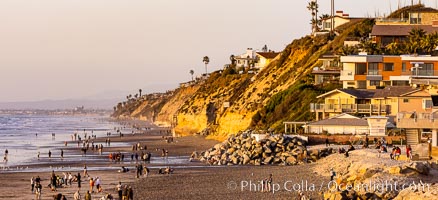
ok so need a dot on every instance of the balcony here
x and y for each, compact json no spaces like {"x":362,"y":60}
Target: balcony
{"x":374,"y":75}
{"x":384,"y":21}
{"x":417,"y":120}
{"x":350,"y":108}
{"x":428,"y":77}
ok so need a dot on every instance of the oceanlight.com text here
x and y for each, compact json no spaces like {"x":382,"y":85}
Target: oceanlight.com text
{"x":305,"y":186}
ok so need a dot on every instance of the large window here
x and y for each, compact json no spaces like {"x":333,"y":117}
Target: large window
{"x":403,"y":67}
{"x":424,"y":70}
{"x":361,"y":68}
{"x":373,"y":69}
{"x":388,"y":67}
{"x":427,"y":103}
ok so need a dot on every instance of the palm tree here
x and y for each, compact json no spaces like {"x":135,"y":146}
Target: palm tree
{"x":233,"y":59}
{"x":393,"y":48}
{"x":322,"y":18}
{"x":313,"y":8}
{"x":206,"y":60}
{"x":139,"y":91}
{"x":414,"y":41}
{"x":265,"y":48}
{"x":429,"y":43}
{"x":191,"y":73}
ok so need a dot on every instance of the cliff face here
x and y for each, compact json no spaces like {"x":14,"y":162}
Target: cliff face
{"x":227,"y":102}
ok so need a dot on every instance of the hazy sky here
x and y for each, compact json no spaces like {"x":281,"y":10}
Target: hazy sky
{"x":57,"y":49}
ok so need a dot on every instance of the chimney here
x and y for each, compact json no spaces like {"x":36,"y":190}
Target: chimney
{"x":339,"y":13}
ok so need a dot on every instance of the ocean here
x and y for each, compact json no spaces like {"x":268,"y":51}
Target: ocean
{"x":26,"y":135}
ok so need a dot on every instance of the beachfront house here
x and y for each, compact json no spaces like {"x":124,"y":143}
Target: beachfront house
{"x":374,"y":71}
{"x":247,"y":59}
{"x":329,"y":71}
{"x":349,"y":124}
{"x":389,"y":30}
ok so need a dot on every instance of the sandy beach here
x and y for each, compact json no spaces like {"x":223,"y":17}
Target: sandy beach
{"x":190,"y":180}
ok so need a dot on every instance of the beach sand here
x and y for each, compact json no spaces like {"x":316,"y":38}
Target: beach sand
{"x":190,"y":180}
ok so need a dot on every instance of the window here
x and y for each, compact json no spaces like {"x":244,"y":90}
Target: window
{"x":388,"y":67}
{"x":374,"y":83}
{"x":415,"y":18}
{"x":403,"y":67}
{"x":327,"y":25}
{"x":373,"y":69}
{"x":386,"y":83}
{"x":351,"y":83}
{"x":424,"y":70}
{"x":361,"y":84}
{"x":361,"y":68}
{"x":405,"y":100}
{"x":427,"y":103}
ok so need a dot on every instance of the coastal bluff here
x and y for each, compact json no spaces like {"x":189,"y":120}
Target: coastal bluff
{"x":236,"y":98}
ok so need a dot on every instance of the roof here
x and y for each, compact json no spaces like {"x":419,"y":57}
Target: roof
{"x":268,"y":55}
{"x":423,"y":10}
{"x":341,"y":120}
{"x":389,"y":91}
{"x":394,"y":91}
{"x":400,"y":30}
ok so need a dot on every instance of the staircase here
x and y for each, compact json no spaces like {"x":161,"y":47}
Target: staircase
{"x":420,"y":151}
{"x":412,"y":136}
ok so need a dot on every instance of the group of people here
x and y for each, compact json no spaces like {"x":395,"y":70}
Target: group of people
{"x":125,"y":192}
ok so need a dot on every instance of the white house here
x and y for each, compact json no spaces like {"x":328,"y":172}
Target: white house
{"x":339,"y":124}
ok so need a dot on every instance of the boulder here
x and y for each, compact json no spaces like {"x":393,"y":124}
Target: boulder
{"x":419,"y":167}
{"x":268,"y":160}
{"x":291,"y":160}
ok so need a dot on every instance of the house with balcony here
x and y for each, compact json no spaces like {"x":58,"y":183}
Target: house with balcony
{"x":329,"y":71}
{"x":389,"y":30}
{"x":363,"y":102}
{"x":376,"y":71}
{"x":246,"y":59}
{"x":420,"y":115}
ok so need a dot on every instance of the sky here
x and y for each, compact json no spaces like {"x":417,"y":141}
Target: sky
{"x":62,"y":49}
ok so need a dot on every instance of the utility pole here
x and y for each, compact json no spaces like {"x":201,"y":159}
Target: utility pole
{"x":332,"y":21}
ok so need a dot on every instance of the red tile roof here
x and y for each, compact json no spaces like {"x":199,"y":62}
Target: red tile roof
{"x":268,"y":55}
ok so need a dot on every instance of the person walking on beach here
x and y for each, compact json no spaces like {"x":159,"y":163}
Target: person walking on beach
{"x":130,"y":193}
{"x":87,"y":195}
{"x":119,"y":190}
{"x":38,"y":155}
{"x":79,"y":180}
{"x":91,"y":185}
{"x":32,"y":184}
{"x":38,"y":189}
{"x":50,"y":154}
{"x":62,"y":154}
{"x":77,"y":195}
{"x":5,"y":158}
{"x":85,"y":171}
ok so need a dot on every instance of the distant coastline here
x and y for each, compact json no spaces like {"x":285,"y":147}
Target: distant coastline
{"x":64,"y":112}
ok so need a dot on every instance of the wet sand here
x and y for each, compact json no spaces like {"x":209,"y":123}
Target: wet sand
{"x":191,"y":180}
